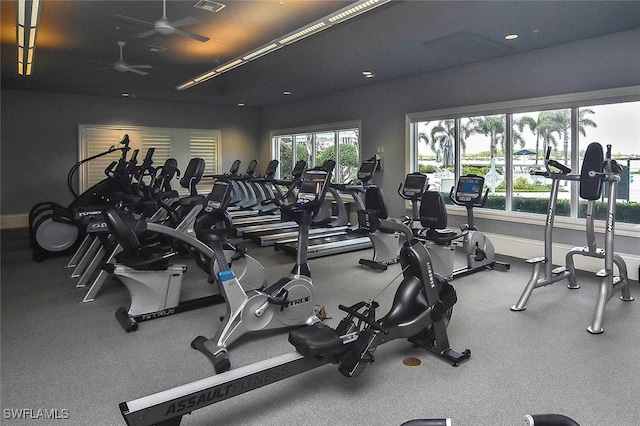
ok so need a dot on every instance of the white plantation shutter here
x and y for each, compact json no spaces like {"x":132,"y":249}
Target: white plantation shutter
{"x":181,"y":144}
{"x":205,"y":145}
{"x":98,"y":140}
{"x":158,"y":139}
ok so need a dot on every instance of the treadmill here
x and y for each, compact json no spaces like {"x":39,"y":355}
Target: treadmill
{"x":269,"y":221}
{"x":342,"y":241}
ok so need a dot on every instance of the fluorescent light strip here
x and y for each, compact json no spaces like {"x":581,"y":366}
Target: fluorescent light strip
{"x":260,"y":52}
{"x":204,"y":77}
{"x":186,"y":85}
{"x":341,"y":15}
{"x":228,"y":66}
{"x":356,"y":10}
{"x":26,"y":35}
{"x":302,"y":34}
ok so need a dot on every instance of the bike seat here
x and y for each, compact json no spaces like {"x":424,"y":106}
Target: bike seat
{"x":317,"y":340}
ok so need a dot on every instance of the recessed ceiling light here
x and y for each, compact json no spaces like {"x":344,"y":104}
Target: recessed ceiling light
{"x":240,"y":104}
{"x":511,"y":36}
{"x":286,"y":93}
{"x":125,"y":95}
{"x":367,"y":73}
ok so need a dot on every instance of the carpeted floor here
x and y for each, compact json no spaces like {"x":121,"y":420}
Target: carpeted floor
{"x":58,"y":354}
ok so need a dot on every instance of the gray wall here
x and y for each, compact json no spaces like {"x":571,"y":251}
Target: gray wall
{"x":593,"y":64}
{"x":39,"y":130}
{"x":40,"y":137}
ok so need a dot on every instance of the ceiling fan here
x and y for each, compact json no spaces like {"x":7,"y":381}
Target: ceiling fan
{"x":122,"y":66}
{"x":164,"y":26}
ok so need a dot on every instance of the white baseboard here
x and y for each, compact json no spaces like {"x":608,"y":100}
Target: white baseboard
{"x":11,"y":221}
{"x":527,"y":249}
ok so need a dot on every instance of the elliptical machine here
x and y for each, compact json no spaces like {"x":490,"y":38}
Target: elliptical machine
{"x":286,"y":303}
{"x":53,"y":229}
{"x":478,"y":249}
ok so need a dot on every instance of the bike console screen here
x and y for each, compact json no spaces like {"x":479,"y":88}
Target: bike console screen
{"x":414,"y":185}
{"x":367,"y":169}
{"x":218,"y":197}
{"x":469,"y":188}
{"x":312,"y":187}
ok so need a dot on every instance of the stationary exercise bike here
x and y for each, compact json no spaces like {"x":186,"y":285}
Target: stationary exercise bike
{"x":155,"y":285}
{"x":420,"y":312}
{"x":288,"y":302}
{"x":387,"y":239}
{"x":478,"y":249}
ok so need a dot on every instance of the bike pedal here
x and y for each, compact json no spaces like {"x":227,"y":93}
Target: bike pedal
{"x":320,"y":312}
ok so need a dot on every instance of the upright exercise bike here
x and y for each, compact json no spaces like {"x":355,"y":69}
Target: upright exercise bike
{"x":478,"y":249}
{"x":420,"y":312}
{"x":286,"y":303}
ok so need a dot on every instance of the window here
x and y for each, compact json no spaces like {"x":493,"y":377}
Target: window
{"x":181,"y":144}
{"x":617,"y":125}
{"x":532,"y":133}
{"x":512,"y":138}
{"x":482,"y":142}
{"x":332,"y":142}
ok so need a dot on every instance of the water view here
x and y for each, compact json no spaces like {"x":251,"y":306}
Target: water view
{"x":481,"y":141}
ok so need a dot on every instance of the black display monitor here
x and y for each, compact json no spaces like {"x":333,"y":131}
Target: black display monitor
{"x":298,"y":169}
{"x":469,"y":188}
{"x":367,"y":169}
{"x":415,"y":185}
{"x":218,"y":197}
{"x":271,"y":168}
{"x":312,"y":185}
{"x":251,"y":168}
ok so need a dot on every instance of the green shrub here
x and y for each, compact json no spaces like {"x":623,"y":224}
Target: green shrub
{"x":426,"y":168}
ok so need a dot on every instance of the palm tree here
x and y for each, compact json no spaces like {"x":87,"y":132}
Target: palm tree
{"x":439,"y":134}
{"x":540,"y":129}
{"x":559,"y":121}
{"x":491,"y":126}
{"x":532,"y":124}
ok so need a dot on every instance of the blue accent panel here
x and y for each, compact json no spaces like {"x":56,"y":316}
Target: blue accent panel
{"x":226,"y":275}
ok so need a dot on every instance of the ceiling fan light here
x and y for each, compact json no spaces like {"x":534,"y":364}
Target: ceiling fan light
{"x":164,"y":28}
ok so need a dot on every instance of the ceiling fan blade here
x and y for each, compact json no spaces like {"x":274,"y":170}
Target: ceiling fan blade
{"x":184,"y":22}
{"x":134,"y":21}
{"x":191,"y":35}
{"x":146,"y":34}
{"x":140,"y":66}
{"x":136,"y":71}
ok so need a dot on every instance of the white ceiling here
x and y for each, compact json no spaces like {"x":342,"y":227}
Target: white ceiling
{"x":396,"y":40}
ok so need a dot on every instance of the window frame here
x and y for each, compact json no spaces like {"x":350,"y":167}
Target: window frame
{"x":335,"y":128}
{"x":572,"y":101}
